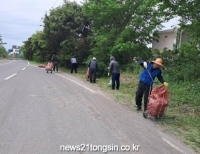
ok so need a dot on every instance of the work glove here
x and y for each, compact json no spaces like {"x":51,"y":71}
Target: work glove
{"x":108,"y":74}
{"x":165,"y":84}
{"x":145,"y":65}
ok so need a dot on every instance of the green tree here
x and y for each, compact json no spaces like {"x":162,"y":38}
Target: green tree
{"x":186,"y":58}
{"x":64,"y":32}
{"x":122,"y":28}
{"x":35,"y":48}
{"x":3,"y":52}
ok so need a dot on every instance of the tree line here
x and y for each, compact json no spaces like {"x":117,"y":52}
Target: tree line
{"x":3,"y":52}
{"x":122,"y":28}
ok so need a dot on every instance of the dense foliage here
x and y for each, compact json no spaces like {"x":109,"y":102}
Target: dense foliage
{"x":124,"y":28}
{"x":64,"y":34}
{"x":3,"y":52}
{"x":120,"y":28}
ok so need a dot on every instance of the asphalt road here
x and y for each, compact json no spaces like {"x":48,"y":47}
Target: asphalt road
{"x":44,"y":113}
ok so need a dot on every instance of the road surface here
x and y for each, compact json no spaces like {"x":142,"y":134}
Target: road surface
{"x":57,"y":113}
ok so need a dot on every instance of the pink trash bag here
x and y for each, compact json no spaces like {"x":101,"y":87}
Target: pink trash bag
{"x":158,"y":101}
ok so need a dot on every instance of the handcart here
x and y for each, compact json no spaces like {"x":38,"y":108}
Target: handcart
{"x":49,"y":67}
{"x":157,"y":103}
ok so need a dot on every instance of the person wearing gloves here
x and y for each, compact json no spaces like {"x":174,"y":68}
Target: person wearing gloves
{"x":115,"y":73}
{"x":150,"y":72}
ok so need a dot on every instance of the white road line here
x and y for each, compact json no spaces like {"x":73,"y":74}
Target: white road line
{"x":28,"y":63}
{"x":23,"y":68}
{"x":172,"y":145}
{"x":76,"y":83}
{"x":10,"y":76}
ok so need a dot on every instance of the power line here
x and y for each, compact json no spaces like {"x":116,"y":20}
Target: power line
{"x":55,"y":3}
{"x":51,"y":7}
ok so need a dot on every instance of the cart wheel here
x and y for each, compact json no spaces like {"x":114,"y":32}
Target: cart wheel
{"x":47,"y":71}
{"x":51,"y":71}
{"x":145,"y":114}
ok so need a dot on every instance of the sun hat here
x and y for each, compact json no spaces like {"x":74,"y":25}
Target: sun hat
{"x":159,"y":62}
{"x":94,"y":58}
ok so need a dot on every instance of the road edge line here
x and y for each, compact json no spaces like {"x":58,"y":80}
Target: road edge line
{"x":76,"y":83}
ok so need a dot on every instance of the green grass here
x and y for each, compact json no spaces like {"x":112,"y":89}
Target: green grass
{"x":182,"y":115}
{"x":35,"y":63}
{"x":1,"y":58}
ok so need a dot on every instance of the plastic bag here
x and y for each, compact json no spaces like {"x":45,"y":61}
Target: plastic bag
{"x":87,"y":75}
{"x":49,"y":66}
{"x":158,"y":100}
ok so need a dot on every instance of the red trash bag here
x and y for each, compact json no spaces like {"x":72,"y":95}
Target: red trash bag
{"x":87,"y":75}
{"x":41,"y":65}
{"x":49,"y":66}
{"x":158,"y":100}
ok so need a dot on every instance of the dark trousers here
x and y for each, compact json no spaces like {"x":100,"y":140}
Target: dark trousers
{"x":55,"y":66}
{"x":93,"y":75}
{"x":74,"y":67}
{"x":115,"y":79}
{"x":143,"y":89}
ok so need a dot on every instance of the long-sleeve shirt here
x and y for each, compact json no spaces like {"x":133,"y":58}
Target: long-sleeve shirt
{"x":149,"y":74}
{"x":114,"y":67}
{"x":54,"y":59}
{"x":73,"y":60}
{"x":93,"y":64}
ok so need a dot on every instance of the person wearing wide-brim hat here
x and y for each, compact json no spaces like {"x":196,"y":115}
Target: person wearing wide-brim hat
{"x":150,"y":72}
{"x":159,"y":62}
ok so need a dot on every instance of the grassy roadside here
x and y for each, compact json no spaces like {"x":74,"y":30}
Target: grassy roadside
{"x":183,"y":113}
{"x":182,"y":117}
{"x":1,"y":58}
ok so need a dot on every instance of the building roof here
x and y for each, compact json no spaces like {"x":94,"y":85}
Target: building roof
{"x":167,"y":31}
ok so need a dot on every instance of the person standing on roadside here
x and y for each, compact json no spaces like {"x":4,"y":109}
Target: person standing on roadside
{"x":150,"y":72}
{"x":114,"y":70}
{"x":93,"y":66}
{"x":73,"y":65}
{"x":55,"y":61}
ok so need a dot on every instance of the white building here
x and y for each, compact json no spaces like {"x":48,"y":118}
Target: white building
{"x":167,"y":39}
{"x":14,"y":52}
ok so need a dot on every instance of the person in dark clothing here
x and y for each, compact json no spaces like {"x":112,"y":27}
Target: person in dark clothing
{"x":93,"y":70}
{"x":73,"y":65}
{"x":55,"y":61}
{"x":114,"y":70}
{"x":150,"y":72}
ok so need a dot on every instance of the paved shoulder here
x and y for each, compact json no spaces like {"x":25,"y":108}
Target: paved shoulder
{"x":48,"y":113}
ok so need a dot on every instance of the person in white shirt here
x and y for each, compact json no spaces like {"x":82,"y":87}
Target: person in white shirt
{"x":73,"y":65}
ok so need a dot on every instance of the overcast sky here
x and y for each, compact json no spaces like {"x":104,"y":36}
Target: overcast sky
{"x":19,"y":19}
